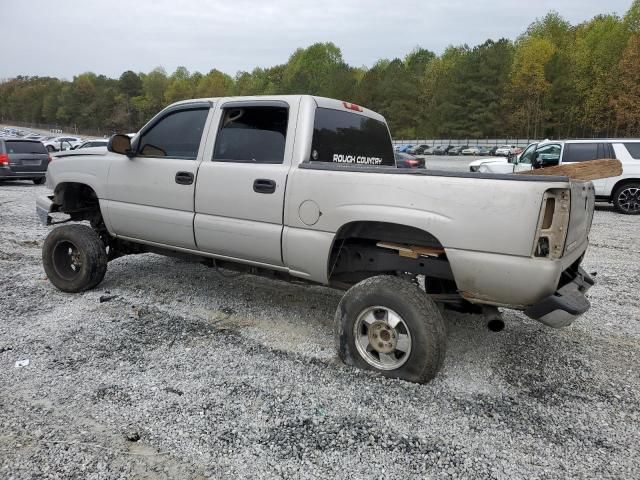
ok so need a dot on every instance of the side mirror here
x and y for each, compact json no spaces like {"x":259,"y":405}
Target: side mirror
{"x":120,"y":144}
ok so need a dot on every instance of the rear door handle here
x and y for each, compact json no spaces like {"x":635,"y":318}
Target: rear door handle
{"x":184,"y":178}
{"x":264,"y":185}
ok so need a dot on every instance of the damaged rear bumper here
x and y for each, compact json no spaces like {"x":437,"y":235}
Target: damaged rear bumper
{"x":566,"y":304}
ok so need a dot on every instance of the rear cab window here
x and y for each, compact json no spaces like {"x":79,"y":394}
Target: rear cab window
{"x":25,"y":147}
{"x":350,"y":138}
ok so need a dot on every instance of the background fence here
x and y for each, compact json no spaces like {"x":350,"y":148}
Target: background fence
{"x":57,"y":128}
{"x":519,"y":142}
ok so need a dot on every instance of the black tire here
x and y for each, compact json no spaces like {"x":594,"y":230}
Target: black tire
{"x":419,"y":314}
{"x":74,"y":258}
{"x":622,"y":195}
{"x":51,"y":149}
{"x":39,"y":181}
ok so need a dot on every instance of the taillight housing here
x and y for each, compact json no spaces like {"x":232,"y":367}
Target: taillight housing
{"x":49,"y":159}
{"x":553,"y":223}
{"x":413,"y":163}
{"x":4,"y":159}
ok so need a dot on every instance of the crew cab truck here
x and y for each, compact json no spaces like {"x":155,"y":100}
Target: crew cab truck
{"x":623,"y":191}
{"x":303,"y":187}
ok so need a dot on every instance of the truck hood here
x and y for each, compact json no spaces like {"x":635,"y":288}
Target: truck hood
{"x":482,"y":161}
{"x":85,"y":151}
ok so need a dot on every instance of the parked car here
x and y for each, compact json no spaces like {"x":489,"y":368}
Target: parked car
{"x":495,"y":165}
{"x":404,"y":148}
{"x":485,"y":150}
{"x":22,"y":159}
{"x":406,"y":160}
{"x":321,"y":201}
{"x":457,"y":150}
{"x":92,"y":143}
{"x":622,"y":191}
{"x":419,"y":150}
{"x":506,"y":150}
{"x":442,"y":149}
{"x":471,"y":151}
{"x":57,"y":144}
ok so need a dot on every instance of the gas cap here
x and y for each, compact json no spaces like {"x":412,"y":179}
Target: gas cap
{"x":309,"y":212}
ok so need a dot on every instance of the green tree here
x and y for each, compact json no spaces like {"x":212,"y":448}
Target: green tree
{"x":529,"y":84}
{"x":626,"y":103}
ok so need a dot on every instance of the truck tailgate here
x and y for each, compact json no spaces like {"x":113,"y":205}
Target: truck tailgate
{"x":581,"y":215}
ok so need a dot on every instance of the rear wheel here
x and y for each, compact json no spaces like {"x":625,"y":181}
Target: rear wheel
{"x":389,"y":325}
{"x":74,"y":258}
{"x":38,"y":181}
{"x":51,"y":148}
{"x":626,"y":198}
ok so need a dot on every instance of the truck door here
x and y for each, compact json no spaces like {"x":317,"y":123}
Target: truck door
{"x":150,"y":196}
{"x":525,"y":159}
{"x":241,"y":183}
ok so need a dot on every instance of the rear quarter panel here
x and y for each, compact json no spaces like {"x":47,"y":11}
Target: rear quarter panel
{"x":474,"y":214}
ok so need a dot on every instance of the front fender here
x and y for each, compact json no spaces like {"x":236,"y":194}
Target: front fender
{"x":90,"y":170}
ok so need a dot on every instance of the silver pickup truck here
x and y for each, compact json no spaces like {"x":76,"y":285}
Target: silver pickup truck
{"x":302,"y":187}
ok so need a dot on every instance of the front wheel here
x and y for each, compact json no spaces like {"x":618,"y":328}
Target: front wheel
{"x":389,"y":325}
{"x":626,"y":199}
{"x":74,"y":258}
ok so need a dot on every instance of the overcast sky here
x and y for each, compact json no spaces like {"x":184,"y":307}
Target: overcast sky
{"x":66,"y":37}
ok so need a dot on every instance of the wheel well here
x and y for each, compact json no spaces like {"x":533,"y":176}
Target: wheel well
{"x":387,"y":232}
{"x":78,"y":200}
{"x":622,"y":182}
{"x":364,"y":249}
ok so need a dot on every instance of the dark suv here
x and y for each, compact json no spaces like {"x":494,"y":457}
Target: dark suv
{"x":23,"y":160}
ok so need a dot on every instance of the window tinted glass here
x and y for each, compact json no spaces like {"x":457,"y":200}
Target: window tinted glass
{"x":177,"y":135}
{"x":527,"y":155}
{"x":252,"y":134}
{"x":633,"y":149}
{"x":549,"y":154}
{"x":580,"y":152}
{"x":25,"y":147}
{"x":345,"y":137}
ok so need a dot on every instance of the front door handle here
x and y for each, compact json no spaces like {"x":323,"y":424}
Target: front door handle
{"x":184,"y":178}
{"x":264,"y":185}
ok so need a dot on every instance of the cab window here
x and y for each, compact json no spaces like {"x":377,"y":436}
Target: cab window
{"x":252,"y":135}
{"x":345,"y":137}
{"x":176,"y":135}
{"x":548,"y":155}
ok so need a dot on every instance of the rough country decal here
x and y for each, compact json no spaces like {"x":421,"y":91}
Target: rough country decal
{"x":337,"y":158}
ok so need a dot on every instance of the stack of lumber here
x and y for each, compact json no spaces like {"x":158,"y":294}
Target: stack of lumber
{"x":591,"y":170}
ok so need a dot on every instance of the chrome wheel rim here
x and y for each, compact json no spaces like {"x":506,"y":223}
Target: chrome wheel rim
{"x":629,"y":199}
{"x":382,"y":338}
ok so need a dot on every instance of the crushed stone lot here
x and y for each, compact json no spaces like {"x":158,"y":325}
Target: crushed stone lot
{"x":172,"y":370}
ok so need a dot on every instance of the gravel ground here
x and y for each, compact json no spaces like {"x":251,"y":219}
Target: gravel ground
{"x":180,"y":372}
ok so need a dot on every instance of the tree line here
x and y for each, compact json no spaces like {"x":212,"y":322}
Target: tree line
{"x":555,"y":80}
